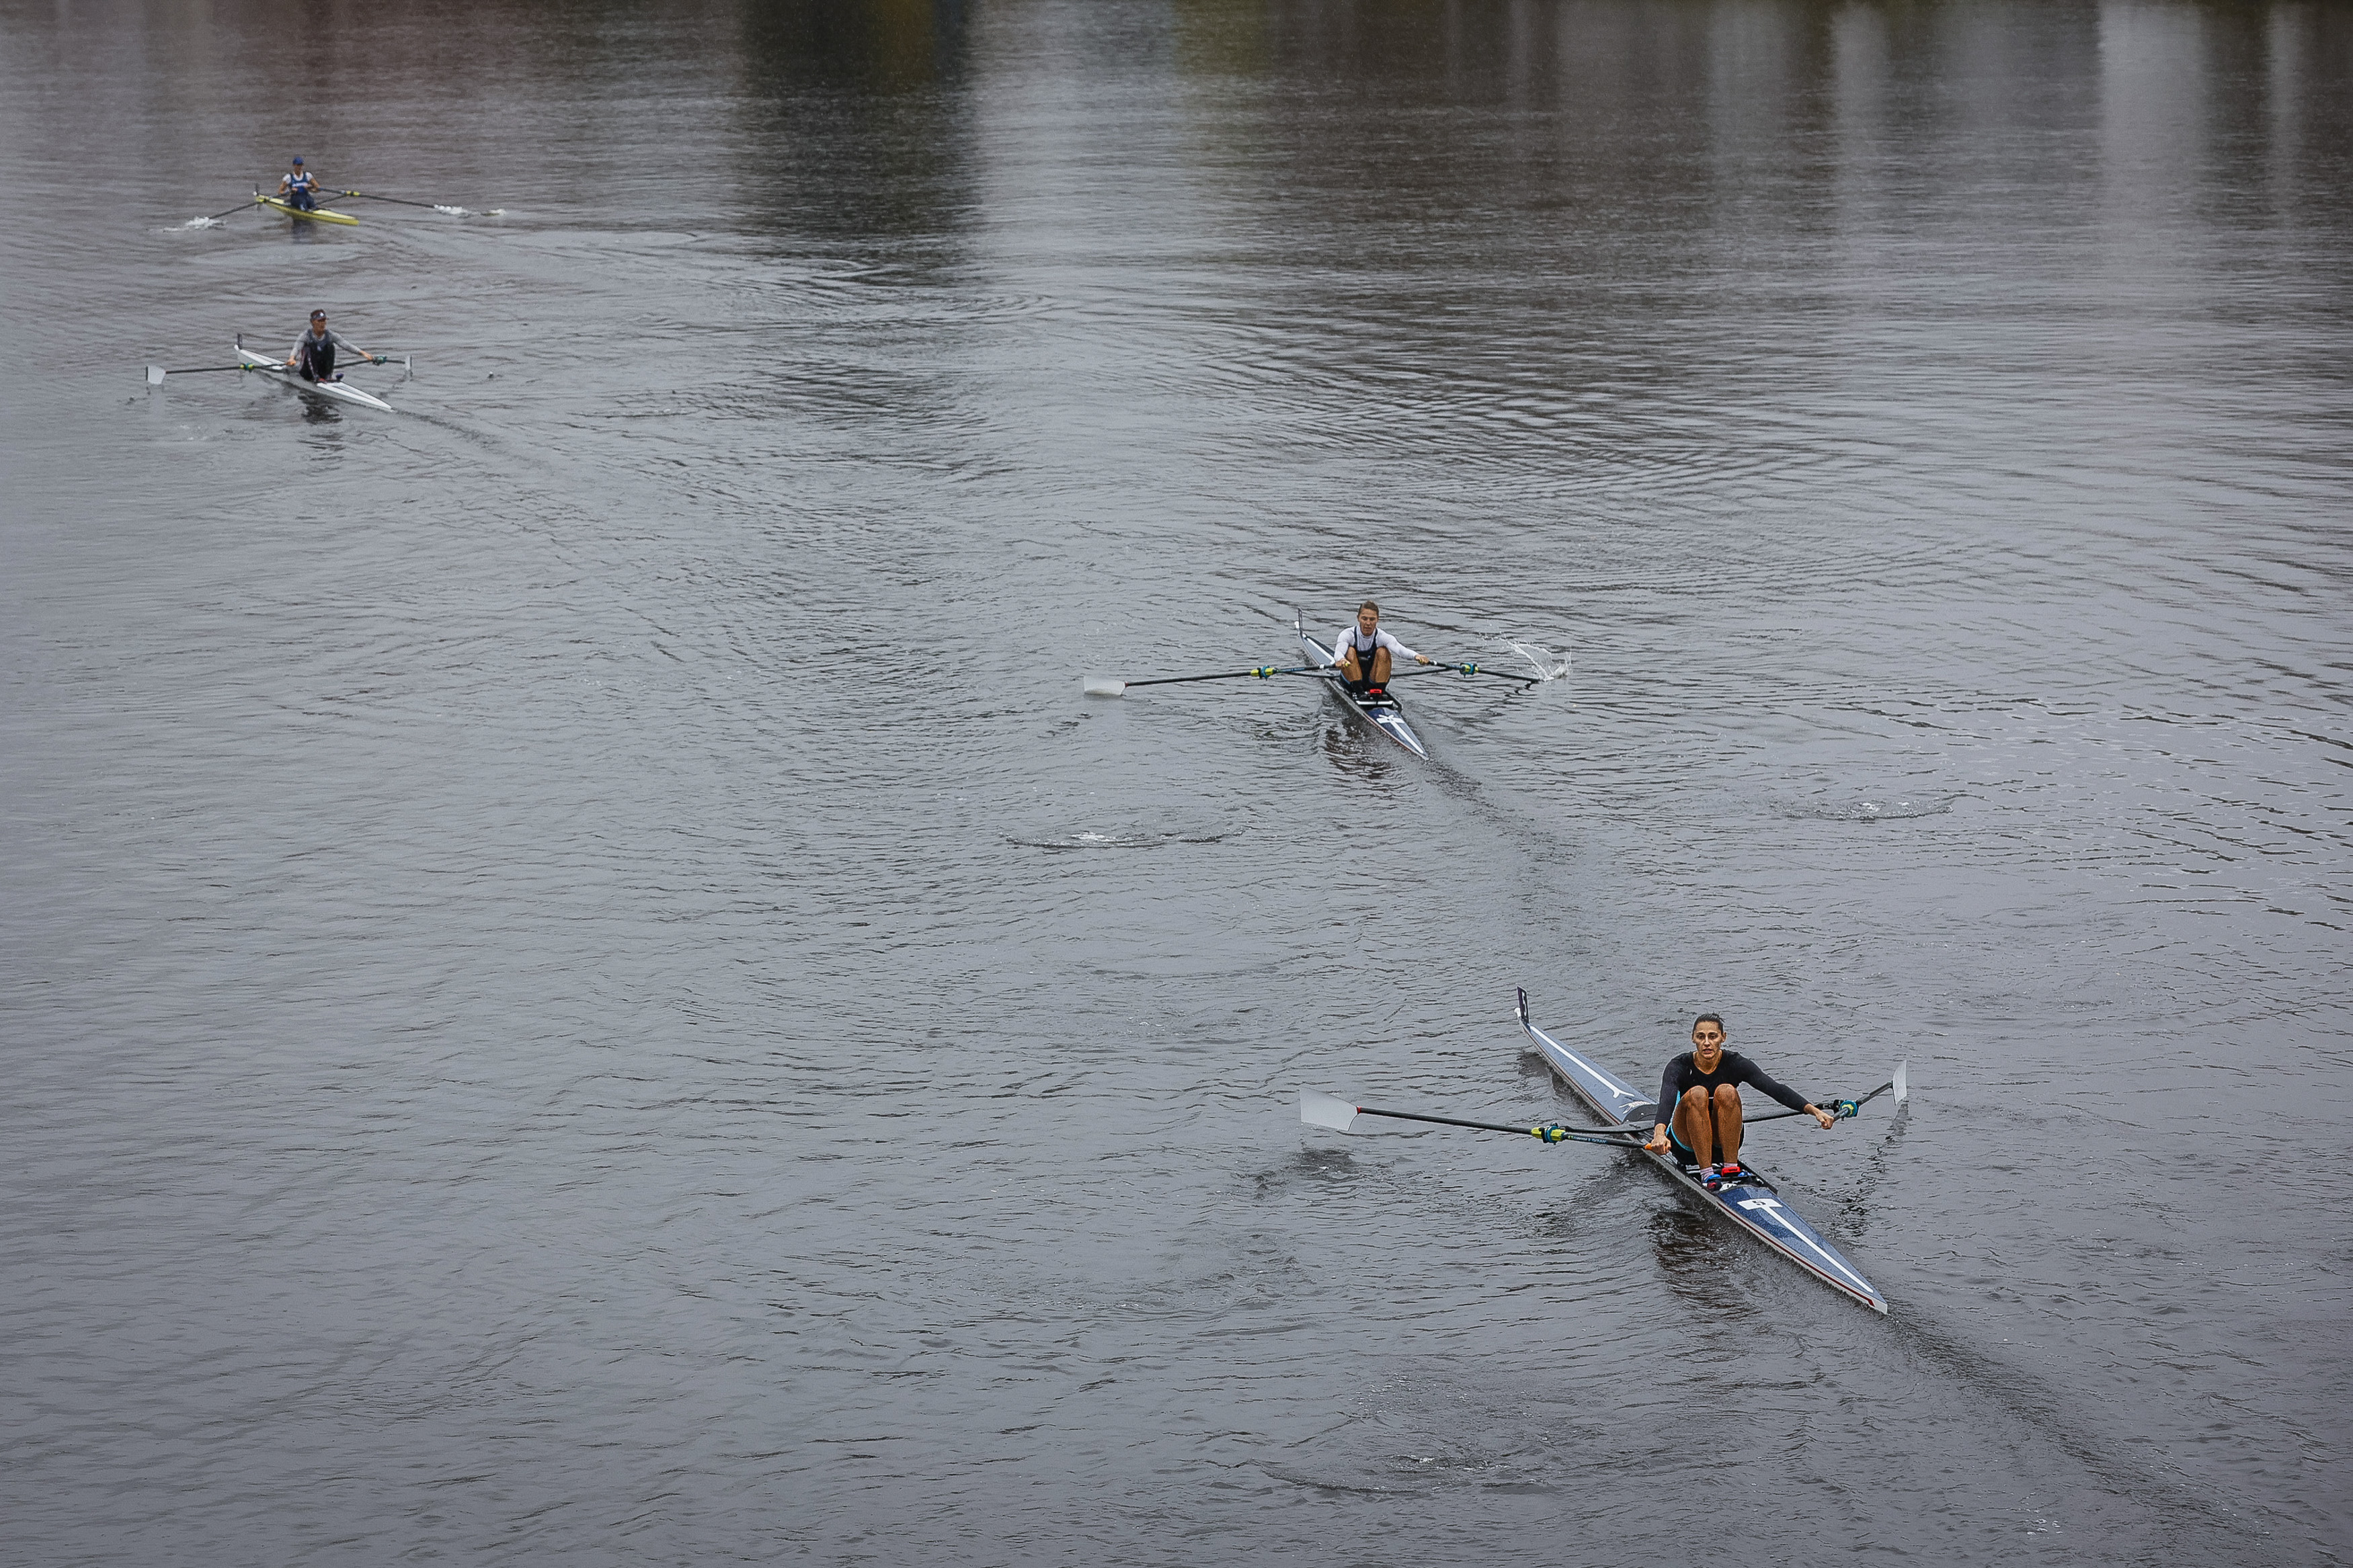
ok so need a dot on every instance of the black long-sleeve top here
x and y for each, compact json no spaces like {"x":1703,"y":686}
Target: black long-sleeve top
{"x":1683,"y":1076}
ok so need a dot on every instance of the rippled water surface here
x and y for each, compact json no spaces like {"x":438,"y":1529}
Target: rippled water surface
{"x":581,"y":983}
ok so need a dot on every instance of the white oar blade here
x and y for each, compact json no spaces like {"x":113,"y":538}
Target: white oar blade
{"x":1319,"y":1109}
{"x":154,"y":376}
{"x":1903,"y":1082}
{"x":1102,"y":686}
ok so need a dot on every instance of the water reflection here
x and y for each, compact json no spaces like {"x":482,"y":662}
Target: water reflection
{"x":880,"y":46}
{"x":857,"y":120}
{"x":1703,"y":1265}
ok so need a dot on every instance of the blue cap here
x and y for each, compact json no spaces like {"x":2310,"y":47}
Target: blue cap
{"x":298,"y":159}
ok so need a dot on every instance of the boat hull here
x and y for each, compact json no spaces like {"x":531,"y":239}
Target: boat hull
{"x":1752,"y":1204}
{"x":325,"y":391}
{"x":316,"y":215}
{"x":1387,"y":716}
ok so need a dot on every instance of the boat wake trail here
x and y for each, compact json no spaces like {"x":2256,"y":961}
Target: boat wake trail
{"x":2179,"y":1517}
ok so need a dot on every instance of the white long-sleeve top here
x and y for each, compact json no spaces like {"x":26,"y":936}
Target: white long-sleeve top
{"x":1350,"y":638}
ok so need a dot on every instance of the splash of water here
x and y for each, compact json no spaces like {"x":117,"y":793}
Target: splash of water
{"x":1541,"y":660}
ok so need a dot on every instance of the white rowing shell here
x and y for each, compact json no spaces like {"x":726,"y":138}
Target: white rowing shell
{"x":1754,"y":1206}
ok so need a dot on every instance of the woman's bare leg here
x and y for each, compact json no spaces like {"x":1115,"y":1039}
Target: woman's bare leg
{"x":1727,"y":1121}
{"x":1695,"y":1126}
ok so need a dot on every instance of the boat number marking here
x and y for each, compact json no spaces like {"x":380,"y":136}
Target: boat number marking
{"x":1772,"y":1215}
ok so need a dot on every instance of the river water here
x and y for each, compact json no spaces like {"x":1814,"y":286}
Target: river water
{"x":581,"y":983}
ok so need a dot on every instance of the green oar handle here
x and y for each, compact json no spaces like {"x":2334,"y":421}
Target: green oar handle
{"x":1551,"y":1132}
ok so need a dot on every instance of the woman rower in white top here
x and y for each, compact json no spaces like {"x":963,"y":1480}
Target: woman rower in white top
{"x":1364,"y":652}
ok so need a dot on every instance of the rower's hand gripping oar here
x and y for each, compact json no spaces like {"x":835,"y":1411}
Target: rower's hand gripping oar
{"x":1103,"y":686}
{"x":1319,"y":1109}
{"x":1847,"y":1110}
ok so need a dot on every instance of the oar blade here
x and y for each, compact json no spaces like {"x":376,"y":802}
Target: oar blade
{"x":155,"y":373}
{"x":1319,"y":1109}
{"x":1903,"y":1080}
{"x":1102,"y":686}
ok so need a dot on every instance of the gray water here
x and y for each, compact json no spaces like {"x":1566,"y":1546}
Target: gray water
{"x":582,"y":984}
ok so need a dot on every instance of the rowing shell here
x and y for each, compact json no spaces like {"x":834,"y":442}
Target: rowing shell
{"x":1383,"y":713}
{"x":316,"y":215}
{"x":332,"y":391}
{"x":1751,"y":1203}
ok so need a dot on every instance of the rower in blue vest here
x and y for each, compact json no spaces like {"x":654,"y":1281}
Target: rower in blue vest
{"x":298,"y":189}
{"x":313,"y":356}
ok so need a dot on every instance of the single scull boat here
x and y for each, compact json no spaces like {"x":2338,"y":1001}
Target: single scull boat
{"x":1383,"y":713}
{"x":1751,"y":1203}
{"x":316,"y":215}
{"x":330,"y":391}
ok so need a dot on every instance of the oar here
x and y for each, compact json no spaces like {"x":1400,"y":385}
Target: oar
{"x":1846,"y":1110}
{"x":156,"y":373}
{"x":1103,"y":686}
{"x":432,"y":206}
{"x":224,"y":211}
{"x":1319,"y":1109}
{"x":1443,"y":668}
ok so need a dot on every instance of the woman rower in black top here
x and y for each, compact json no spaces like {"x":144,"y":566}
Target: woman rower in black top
{"x":1701,"y":1091}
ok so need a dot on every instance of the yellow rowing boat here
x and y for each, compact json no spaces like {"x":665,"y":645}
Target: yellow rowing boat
{"x":320,"y":214}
